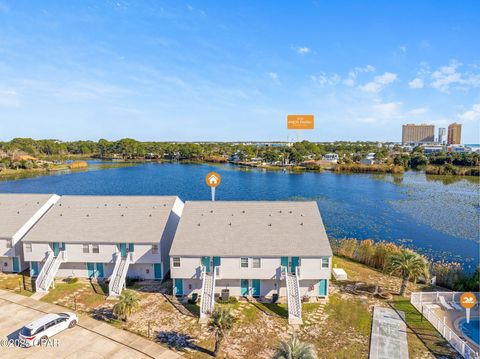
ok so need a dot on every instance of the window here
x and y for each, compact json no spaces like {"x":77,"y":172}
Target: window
{"x":9,"y":243}
{"x":325,"y":262}
{"x":155,"y":249}
{"x":86,"y":248}
{"x":176,"y":262}
{"x":28,"y":247}
{"x":257,"y":263}
{"x":244,"y":262}
{"x":95,"y":248}
{"x":48,"y":325}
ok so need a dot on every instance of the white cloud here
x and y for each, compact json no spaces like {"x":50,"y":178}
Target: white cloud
{"x":323,"y":79}
{"x":448,"y":76}
{"x":416,"y":83}
{"x":417,"y":111}
{"x":302,"y":50}
{"x":379,"y":82}
{"x":352,"y":75}
{"x":471,"y":115}
{"x":403,"y":48}
{"x":9,"y":98}
{"x":273,"y":76}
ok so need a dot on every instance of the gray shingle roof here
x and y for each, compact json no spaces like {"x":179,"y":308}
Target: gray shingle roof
{"x":17,"y":209}
{"x":251,"y":229}
{"x":104,"y":219}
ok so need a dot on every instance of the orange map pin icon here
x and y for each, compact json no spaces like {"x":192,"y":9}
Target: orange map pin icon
{"x":213,"y":179}
{"x":468,"y":300}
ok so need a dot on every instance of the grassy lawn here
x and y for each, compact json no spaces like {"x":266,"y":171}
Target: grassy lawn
{"x":14,"y":282}
{"x":421,"y":334}
{"x":85,"y":295}
{"x":345,"y":314}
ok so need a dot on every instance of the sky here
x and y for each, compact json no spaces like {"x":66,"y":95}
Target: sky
{"x":233,"y":71}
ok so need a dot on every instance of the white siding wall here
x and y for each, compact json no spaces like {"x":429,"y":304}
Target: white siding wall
{"x":4,"y":251}
{"x":310,"y":268}
{"x":142,"y":253}
{"x":38,"y":253}
{"x":267,"y":287}
{"x":169,"y":233}
{"x":74,"y":253}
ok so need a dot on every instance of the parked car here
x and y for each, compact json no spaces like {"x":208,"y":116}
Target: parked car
{"x":40,"y":330}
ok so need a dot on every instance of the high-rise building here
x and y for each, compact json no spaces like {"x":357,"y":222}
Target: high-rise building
{"x":418,"y":133}
{"x":454,"y":134}
{"x":442,"y":135}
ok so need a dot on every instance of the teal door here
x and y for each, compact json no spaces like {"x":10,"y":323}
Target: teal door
{"x":131,"y":247}
{"x":206,"y":263}
{"x":294,"y":264}
{"x":178,"y":288}
{"x":157,"y":270}
{"x":90,"y":270}
{"x":56,"y":248}
{"x":284,"y":262}
{"x":34,"y":269}
{"x":244,"y":287}
{"x":123,"y":249}
{"x":100,"y":273}
{"x":216,"y":261}
{"x":256,"y":287}
{"x":15,"y":265}
{"x":322,"y":287}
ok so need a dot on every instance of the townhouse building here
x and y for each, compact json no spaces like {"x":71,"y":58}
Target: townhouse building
{"x":105,"y":237}
{"x":251,"y":249}
{"x":18,"y":214}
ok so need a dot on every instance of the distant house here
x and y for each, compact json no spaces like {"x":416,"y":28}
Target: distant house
{"x":251,"y":249}
{"x":367,"y":161}
{"x":370,"y":156}
{"x":433,"y":149}
{"x":103,"y":237}
{"x":331,"y":157}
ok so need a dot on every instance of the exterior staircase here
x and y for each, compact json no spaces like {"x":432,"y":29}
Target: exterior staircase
{"x":117,"y":280}
{"x":294,"y":300}
{"x":49,"y":270}
{"x":207,"y":300}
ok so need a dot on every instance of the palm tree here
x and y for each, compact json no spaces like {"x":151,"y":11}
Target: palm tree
{"x":221,"y":321}
{"x":128,"y":303}
{"x":408,"y":265}
{"x":295,"y":349}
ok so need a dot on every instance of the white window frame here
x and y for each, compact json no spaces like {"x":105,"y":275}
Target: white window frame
{"x":176,"y":262}
{"x":85,"y":248}
{"x":242,"y":262}
{"x":259,"y":260}
{"x":28,"y":247}
{"x":155,"y":249}
{"x":95,"y":248}
{"x":323,"y":261}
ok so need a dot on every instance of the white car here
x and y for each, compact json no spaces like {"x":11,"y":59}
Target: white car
{"x":40,"y":330}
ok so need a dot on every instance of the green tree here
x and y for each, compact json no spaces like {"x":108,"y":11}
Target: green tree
{"x":128,"y":303}
{"x":221,"y":321}
{"x":408,"y":265}
{"x":295,"y":349}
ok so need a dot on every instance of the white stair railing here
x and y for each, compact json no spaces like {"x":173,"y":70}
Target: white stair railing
{"x":50,"y":271}
{"x":117,"y":280}
{"x":44,"y":270}
{"x":207,"y":300}
{"x":293,"y":298}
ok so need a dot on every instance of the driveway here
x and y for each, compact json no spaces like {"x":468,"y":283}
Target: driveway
{"x":90,"y":339}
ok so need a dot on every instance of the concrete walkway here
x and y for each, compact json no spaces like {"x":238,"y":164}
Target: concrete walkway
{"x":89,"y":339}
{"x":389,"y":335}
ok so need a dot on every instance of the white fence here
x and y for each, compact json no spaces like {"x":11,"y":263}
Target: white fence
{"x":420,"y":301}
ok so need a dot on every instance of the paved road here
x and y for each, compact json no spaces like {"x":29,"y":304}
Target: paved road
{"x":90,"y":339}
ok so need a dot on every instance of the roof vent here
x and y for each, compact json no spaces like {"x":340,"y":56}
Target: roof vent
{"x":301,"y":215}
{"x":150,"y":215}
{"x":61,"y":215}
{"x":164,"y":205}
{"x":229,"y":223}
{"x":290,"y":211}
{"x":38,"y":202}
{"x":123,"y":215}
{"x":301,"y":224}
{"x":280,"y":211}
{"x":211,"y":211}
{"x":269,"y":224}
{"x":88,"y":215}
{"x":60,"y":204}
{"x":18,"y":212}
{"x":243,"y":211}
{"x":119,"y":205}
{"x":269,"y":214}
{"x":198,"y":224}
{"x":105,"y":205}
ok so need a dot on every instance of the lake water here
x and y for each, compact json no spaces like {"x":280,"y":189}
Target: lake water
{"x":439,"y":218}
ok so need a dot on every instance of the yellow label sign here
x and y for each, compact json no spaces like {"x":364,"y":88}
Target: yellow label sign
{"x":300,"y":122}
{"x":468,"y":300}
{"x":213,"y":179}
